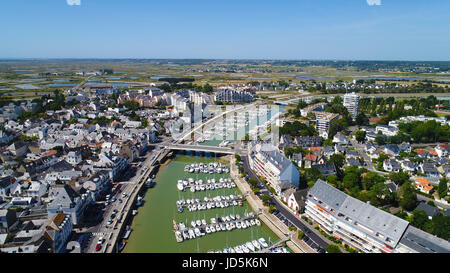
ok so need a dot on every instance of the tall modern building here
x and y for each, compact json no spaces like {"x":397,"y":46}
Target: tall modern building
{"x":351,"y":102}
{"x":323,"y":120}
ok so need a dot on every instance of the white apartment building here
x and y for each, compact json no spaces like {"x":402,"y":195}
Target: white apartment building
{"x":268,"y":162}
{"x":356,"y":223}
{"x":323,"y":122}
{"x":351,"y":102}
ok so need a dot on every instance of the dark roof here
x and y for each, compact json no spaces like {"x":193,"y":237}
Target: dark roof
{"x":430,"y":210}
{"x":353,"y":162}
{"x":5,"y":181}
{"x":326,"y":168}
{"x":423,"y":242}
{"x":61,"y":166}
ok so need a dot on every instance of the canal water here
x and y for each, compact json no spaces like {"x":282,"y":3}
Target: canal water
{"x":153,"y":225}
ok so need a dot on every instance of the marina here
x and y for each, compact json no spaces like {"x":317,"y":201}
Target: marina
{"x":225,"y":223}
{"x":210,"y":168}
{"x":209,"y":184}
{"x":154,"y":224}
{"x":255,"y":246}
{"x":220,"y":201}
{"x":234,"y":127}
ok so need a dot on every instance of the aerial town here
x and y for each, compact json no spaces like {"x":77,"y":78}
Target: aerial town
{"x":231,"y":136}
{"x":165,"y":165}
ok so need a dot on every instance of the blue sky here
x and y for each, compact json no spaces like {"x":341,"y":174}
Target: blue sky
{"x":245,"y":29}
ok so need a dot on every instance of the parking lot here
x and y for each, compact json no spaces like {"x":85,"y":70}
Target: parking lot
{"x":305,"y":238}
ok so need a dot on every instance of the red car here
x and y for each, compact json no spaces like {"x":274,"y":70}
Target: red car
{"x":98,"y":247}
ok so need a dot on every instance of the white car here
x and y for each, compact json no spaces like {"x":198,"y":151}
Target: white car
{"x":100,"y":240}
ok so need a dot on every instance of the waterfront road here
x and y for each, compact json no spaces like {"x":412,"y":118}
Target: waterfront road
{"x":128,"y":187}
{"x":314,"y":239}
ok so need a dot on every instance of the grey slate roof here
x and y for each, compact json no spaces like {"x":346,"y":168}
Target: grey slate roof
{"x":328,"y":194}
{"x":423,"y":242}
{"x":430,"y":210}
{"x":377,"y":220}
{"x":361,"y":213}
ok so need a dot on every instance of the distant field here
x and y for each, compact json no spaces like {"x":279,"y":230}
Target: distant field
{"x":214,"y":72}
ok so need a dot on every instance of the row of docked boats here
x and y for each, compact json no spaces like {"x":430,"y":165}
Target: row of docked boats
{"x":200,"y":185}
{"x":248,"y":247}
{"x":200,"y":228}
{"x":213,"y":167}
{"x":220,"y":201}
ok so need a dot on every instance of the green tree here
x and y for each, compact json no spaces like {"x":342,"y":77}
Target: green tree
{"x":360,"y":136}
{"x":419,"y":218}
{"x":408,"y":197}
{"x":371,"y":179}
{"x":338,"y":160}
{"x":399,"y":178}
{"x":333,"y":249}
{"x":333,"y":180}
{"x":362,"y":119}
{"x":443,"y":187}
{"x":351,"y":180}
{"x":380,"y":140}
{"x":440,"y":226}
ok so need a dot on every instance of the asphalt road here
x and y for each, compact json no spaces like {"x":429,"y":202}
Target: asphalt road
{"x":128,"y":180}
{"x":311,"y":238}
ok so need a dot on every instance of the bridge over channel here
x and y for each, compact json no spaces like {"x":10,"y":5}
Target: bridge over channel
{"x":198,"y":148}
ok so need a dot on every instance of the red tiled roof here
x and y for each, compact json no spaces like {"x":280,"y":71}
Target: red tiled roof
{"x":311,"y":157}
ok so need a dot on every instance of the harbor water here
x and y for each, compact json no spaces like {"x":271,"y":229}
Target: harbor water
{"x":153,"y":225}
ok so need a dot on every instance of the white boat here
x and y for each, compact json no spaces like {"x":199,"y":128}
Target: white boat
{"x":212,"y":229}
{"x":178,"y":236}
{"x":256,"y":244}
{"x":245,"y":249}
{"x":238,"y":225}
{"x":193,"y":223}
{"x":204,"y":222}
{"x":191,"y":234}
{"x":192,"y":189}
{"x":218,"y":227}
{"x":180,"y":186}
{"x":252,"y":222}
{"x":238,"y":249}
{"x":208,"y":230}
{"x":198,"y":222}
{"x":258,"y":223}
{"x":243,"y":225}
{"x":197,"y":232}
{"x":250,"y":246}
{"x":263,"y":242}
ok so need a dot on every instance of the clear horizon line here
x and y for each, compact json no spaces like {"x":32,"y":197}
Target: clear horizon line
{"x":227,"y":59}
